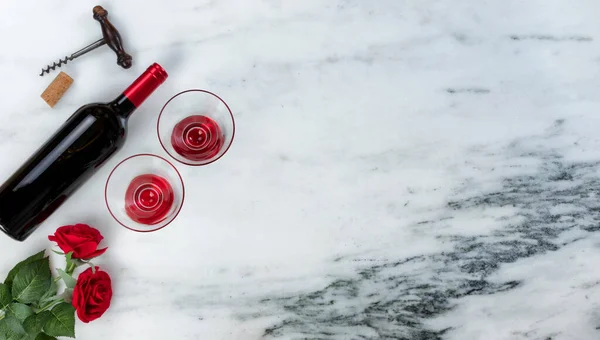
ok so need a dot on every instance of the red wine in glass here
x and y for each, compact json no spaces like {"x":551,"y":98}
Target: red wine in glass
{"x":195,"y":127}
{"x":197,"y":138}
{"x":149,"y":199}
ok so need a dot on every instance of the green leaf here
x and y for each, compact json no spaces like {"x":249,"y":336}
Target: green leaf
{"x":5,"y":296}
{"x":19,"y":311}
{"x":62,"y":321}
{"x":34,"y":323}
{"x":3,"y":330}
{"x":11,"y":327}
{"x":68,"y":279}
{"x":57,"y":252}
{"x":50,"y":294}
{"x":43,"y":336}
{"x":32,"y":281}
{"x":15,"y":325}
{"x":69,"y":258}
{"x":13,"y":272}
{"x":6,"y":323}
{"x":71,"y":265}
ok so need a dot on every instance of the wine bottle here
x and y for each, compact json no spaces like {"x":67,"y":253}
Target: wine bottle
{"x":73,"y":154}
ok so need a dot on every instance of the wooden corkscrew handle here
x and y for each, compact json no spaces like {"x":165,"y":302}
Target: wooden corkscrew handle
{"x":111,"y":37}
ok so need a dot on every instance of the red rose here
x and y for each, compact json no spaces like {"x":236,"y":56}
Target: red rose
{"x":81,"y":239}
{"x":92,"y":294}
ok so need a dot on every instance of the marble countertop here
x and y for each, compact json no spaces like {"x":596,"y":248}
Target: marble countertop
{"x":402,"y":169}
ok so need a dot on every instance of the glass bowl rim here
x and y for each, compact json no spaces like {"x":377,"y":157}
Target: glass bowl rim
{"x":163,"y":109}
{"x":144,"y":155}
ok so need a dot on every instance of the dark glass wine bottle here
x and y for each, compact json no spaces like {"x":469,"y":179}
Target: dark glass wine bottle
{"x":81,"y":145}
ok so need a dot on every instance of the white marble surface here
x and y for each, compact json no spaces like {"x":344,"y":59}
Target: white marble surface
{"x":402,"y":169}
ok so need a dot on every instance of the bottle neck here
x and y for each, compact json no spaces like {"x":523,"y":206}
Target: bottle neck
{"x":140,"y":90}
{"x":123,"y":106}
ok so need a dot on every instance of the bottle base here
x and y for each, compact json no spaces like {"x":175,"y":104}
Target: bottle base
{"x":5,"y":231}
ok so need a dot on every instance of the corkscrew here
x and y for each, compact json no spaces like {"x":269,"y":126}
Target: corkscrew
{"x":110,"y":37}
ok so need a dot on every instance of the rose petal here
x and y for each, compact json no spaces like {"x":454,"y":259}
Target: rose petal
{"x":76,"y":239}
{"x":82,"y":315}
{"x":87,"y":230}
{"x":96,"y":253}
{"x":84,"y":250}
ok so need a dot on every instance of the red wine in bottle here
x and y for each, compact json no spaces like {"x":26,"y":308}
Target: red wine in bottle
{"x":73,"y":154}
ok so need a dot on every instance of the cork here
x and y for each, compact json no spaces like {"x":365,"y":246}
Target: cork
{"x":57,"y":89}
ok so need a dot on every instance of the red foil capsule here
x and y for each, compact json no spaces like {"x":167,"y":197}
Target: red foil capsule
{"x":143,"y":87}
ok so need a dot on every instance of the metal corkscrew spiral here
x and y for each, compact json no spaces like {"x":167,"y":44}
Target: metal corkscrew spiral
{"x":110,"y":37}
{"x":55,"y":65}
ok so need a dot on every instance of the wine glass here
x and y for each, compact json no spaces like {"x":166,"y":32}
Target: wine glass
{"x":196,"y":127}
{"x":144,"y":192}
